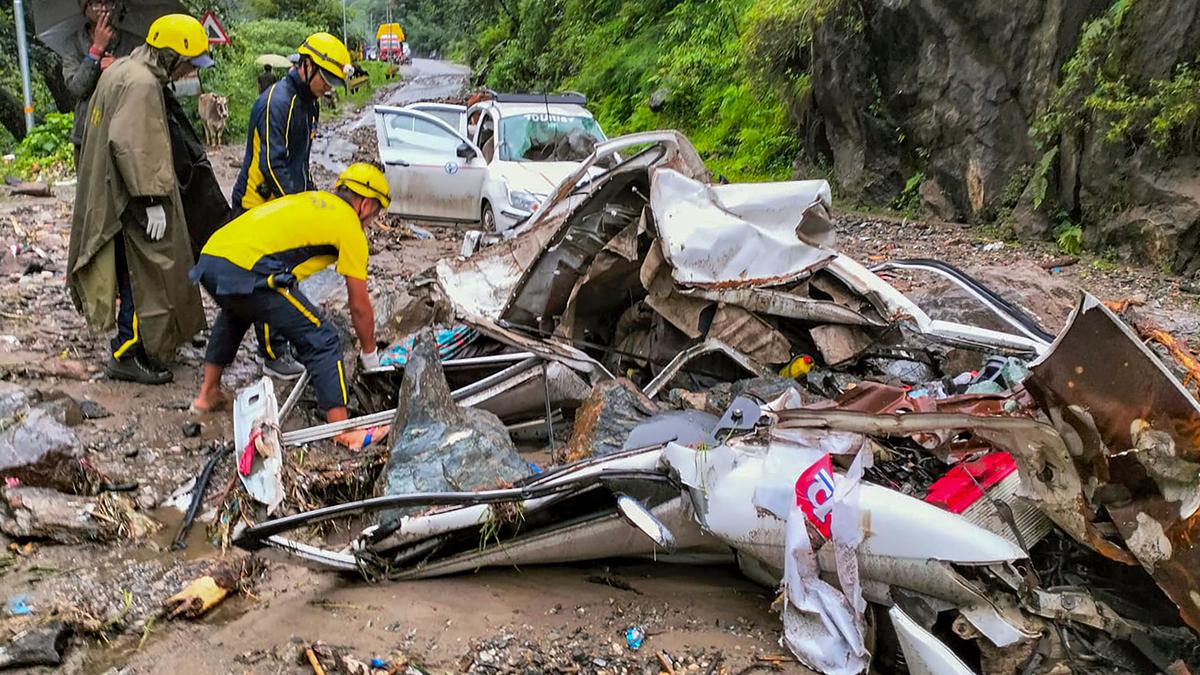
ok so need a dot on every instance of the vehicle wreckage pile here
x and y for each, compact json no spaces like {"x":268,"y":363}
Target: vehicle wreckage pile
{"x":925,"y":494}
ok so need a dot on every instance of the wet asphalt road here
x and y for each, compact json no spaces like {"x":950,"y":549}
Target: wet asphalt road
{"x":424,"y":80}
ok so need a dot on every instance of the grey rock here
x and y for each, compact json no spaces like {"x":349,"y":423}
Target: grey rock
{"x":1028,"y":220}
{"x":658,"y":100}
{"x":934,"y":202}
{"x":40,"y":646}
{"x":13,"y":398}
{"x":92,"y":410}
{"x":41,"y":513}
{"x":64,"y":409}
{"x":39,"y":450}
{"x":606,"y":419}
{"x":436,"y":445}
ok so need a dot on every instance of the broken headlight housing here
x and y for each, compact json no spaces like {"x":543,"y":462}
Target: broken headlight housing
{"x":524,"y":200}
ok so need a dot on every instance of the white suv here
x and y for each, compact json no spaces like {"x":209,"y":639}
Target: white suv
{"x":493,"y":163}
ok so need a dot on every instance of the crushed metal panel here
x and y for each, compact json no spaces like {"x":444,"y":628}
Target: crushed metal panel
{"x":542,"y":294}
{"x":1165,"y":544}
{"x":923,"y":653}
{"x":694,"y":352}
{"x":256,"y":409}
{"x":750,"y":335}
{"x":667,"y":149}
{"x":1098,"y":363}
{"x":525,"y":396}
{"x":839,"y":344}
{"x":606,"y":536}
{"x":895,"y":306}
{"x":783,"y":304}
{"x":604,"y":286}
{"x":735,"y":235}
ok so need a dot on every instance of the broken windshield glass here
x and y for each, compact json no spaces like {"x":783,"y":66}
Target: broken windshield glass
{"x":547,"y":137}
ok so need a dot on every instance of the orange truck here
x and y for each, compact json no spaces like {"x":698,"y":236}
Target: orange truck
{"x":392,"y":46}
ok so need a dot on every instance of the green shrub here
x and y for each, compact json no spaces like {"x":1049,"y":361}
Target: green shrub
{"x":909,"y":200}
{"x":46,"y":152}
{"x":1069,"y":238}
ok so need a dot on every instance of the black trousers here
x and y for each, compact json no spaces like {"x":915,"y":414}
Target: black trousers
{"x":271,"y":343}
{"x":290,"y":315}
{"x":127,"y":343}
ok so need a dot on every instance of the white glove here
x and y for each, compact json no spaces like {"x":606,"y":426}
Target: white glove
{"x":369,"y":360}
{"x":156,"y":222}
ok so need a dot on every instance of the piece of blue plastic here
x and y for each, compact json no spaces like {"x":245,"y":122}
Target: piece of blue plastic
{"x":18,"y":605}
{"x":378,"y":663}
{"x":634,"y":637}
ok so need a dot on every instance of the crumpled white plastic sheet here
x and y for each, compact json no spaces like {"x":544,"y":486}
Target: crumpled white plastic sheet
{"x":822,"y":626}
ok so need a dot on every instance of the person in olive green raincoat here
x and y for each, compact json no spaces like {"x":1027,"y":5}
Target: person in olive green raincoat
{"x":130,"y":251}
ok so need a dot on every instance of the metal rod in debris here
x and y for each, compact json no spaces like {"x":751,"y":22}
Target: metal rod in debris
{"x":549,"y":412}
{"x":294,"y":397}
{"x":323,"y":431}
{"x":198,"y":491}
{"x":469,"y":362}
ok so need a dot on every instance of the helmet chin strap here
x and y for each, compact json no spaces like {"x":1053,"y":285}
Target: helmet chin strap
{"x":312,"y":71}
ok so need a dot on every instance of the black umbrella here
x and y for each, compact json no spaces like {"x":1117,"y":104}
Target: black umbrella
{"x":57,"y":21}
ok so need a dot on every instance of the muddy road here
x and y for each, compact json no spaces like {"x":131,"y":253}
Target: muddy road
{"x":522,"y":620}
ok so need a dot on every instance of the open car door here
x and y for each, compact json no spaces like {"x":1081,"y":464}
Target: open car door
{"x":449,"y":113}
{"x":433,"y":172}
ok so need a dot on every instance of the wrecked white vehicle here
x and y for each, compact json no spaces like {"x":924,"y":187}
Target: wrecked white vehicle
{"x":928,"y":495}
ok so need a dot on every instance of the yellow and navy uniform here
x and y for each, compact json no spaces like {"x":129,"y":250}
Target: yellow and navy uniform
{"x":251,"y":267}
{"x":283,"y":122}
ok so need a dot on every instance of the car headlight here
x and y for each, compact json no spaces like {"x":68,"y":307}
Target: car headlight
{"x":526,"y":201}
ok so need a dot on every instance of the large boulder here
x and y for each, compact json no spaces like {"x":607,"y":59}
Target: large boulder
{"x":437,"y":445}
{"x":1160,"y":222}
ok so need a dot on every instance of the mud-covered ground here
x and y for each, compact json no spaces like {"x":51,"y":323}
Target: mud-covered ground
{"x":570,"y":618}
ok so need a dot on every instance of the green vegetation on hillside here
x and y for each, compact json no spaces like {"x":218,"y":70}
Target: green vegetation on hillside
{"x":1095,"y":91}
{"x":724,"y":69}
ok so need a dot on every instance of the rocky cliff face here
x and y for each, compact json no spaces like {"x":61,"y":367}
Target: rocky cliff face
{"x":952,"y":90}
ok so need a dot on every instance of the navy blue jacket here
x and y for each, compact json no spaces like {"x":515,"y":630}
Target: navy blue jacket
{"x":283,"y":123}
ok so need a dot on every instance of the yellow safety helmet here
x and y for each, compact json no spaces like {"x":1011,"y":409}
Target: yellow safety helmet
{"x":330,"y":55}
{"x":367,"y":181}
{"x":182,"y":34}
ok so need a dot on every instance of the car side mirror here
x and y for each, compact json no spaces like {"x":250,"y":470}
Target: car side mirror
{"x":465,"y":151}
{"x":640,"y":517}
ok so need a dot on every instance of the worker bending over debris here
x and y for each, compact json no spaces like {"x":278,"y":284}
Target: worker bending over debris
{"x":251,"y":268}
{"x":282,"y":125}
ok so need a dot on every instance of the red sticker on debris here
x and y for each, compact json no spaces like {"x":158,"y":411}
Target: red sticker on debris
{"x":964,"y":484}
{"x":814,"y":494}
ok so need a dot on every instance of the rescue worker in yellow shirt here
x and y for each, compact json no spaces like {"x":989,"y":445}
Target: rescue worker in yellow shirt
{"x":251,"y":268}
{"x":283,"y":123}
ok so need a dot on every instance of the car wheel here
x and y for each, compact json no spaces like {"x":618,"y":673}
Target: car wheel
{"x":488,"y":218}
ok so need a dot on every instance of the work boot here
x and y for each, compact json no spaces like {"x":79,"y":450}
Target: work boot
{"x":138,"y":368}
{"x":285,"y":367}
